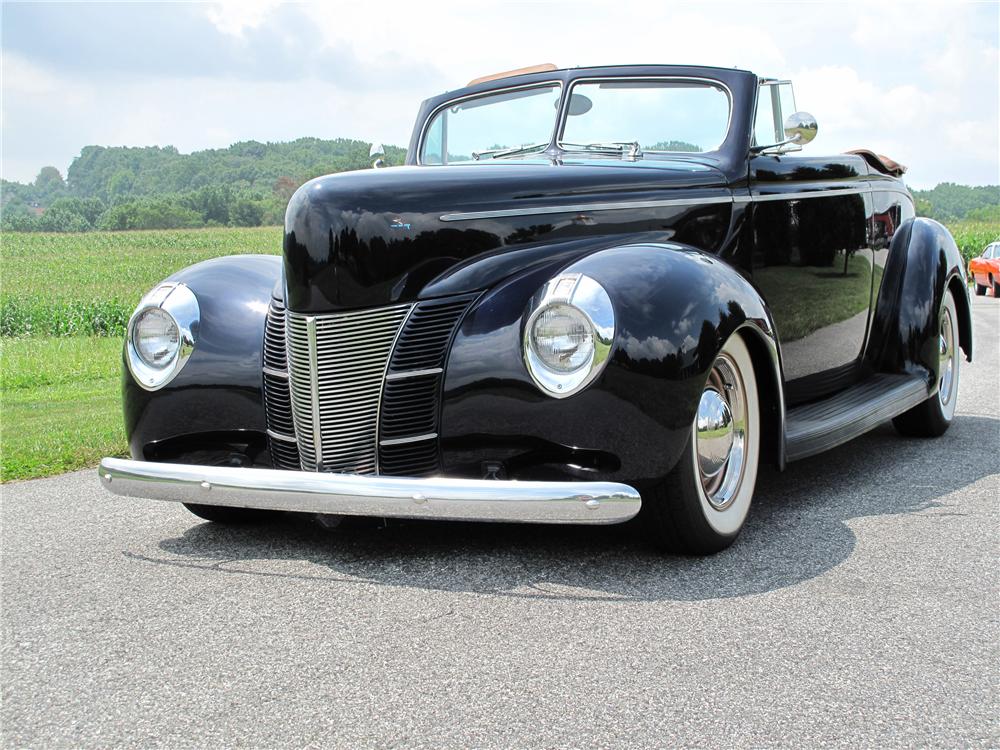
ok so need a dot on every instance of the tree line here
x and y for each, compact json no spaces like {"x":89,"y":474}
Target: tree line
{"x":951,"y":202}
{"x":249,"y":184}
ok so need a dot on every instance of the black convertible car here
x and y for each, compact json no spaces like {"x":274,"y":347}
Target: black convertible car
{"x":590,"y":294}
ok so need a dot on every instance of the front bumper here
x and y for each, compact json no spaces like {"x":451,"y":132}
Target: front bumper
{"x":386,"y":497}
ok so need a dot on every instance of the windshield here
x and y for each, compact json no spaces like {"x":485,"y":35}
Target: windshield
{"x":487,"y":126}
{"x":662,"y":115}
{"x":623,"y":116}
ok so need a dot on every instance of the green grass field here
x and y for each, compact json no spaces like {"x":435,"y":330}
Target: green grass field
{"x":88,"y":284}
{"x":972,"y":236}
{"x":60,"y":405}
{"x":59,"y":382}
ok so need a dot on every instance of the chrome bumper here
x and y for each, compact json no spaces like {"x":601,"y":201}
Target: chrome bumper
{"x":387,"y":497}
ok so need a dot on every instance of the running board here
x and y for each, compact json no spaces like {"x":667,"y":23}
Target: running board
{"x":820,"y":426}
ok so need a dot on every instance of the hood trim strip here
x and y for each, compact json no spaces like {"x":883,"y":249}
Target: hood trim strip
{"x":576,"y":207}
{"x":621,"y":205}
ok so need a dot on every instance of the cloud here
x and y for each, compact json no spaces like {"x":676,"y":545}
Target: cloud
{"x":21,"y":77}
{"x":924,"y":124}
{"x":918,"y":82}
{"x":236,"y":16}
{"x":149,"y":41}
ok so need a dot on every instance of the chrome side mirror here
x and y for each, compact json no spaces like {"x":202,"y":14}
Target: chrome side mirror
{"x":377,"y":153}
{"x":800,"y":128}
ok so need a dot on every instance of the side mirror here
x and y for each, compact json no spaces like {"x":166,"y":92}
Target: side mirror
{"x":800,"y":128}
{"x":376,"y":154}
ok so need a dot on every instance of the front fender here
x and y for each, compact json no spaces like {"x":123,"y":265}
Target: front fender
{"x":218,"y":393}
{"x":923,"y":265}
{"x":675,"y":306}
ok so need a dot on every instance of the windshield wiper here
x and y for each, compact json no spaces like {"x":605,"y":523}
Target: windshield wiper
{"x":630,"y":149}
{"x":499,"y":153}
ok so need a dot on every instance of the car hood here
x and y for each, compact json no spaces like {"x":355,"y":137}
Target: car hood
{"x":376,"y":237}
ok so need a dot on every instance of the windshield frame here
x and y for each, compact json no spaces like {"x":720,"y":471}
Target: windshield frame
{"x":559,"y":122}
{"x":556,"y":82}
{"x":563,"y":117}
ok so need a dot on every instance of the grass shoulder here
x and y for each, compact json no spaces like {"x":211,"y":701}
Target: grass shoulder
{"x":60,"y":401}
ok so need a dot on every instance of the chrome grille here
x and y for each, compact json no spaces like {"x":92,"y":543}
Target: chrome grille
{"x":411,"y":399}
{"x":336,"y":365}
{"x":277,"y":404}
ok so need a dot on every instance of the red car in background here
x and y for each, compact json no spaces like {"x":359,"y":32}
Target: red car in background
{"x":986,"y":270}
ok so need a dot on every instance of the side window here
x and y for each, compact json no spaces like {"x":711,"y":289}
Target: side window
{"x":775,"y":101}
{"x":765,"y":128}
{"x":433,"y":142}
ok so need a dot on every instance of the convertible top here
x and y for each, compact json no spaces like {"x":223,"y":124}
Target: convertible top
{"x":541,"y":68}
{"x":880,"y":162}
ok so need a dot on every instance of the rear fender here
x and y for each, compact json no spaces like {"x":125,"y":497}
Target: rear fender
{"x":923,"y":265}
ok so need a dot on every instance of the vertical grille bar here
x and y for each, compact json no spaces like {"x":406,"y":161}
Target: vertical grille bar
{"x":408,"y":424}
{"x":277,"y":402}
{"x":314,"y":392}
{"x":337,"y":364}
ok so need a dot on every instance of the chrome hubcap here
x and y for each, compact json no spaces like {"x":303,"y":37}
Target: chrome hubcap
{"x":715,"y":432}
{"x":946,"y":346}
{"x":720,"y":433}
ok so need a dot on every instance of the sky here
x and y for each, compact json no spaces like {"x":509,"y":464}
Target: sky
{"x":916,"y":81}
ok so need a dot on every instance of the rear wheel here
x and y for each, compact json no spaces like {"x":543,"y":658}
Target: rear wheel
{"x":996,"y":287}
{"x":932,"y":417}
{"x":981,"y":289}
{"x":703,"y":503}
{"x":227,"y":515}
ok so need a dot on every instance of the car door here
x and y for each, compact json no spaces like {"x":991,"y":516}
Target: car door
{"x":809,"y":226}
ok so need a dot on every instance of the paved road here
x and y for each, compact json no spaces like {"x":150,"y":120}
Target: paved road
{"x":859,"y":608}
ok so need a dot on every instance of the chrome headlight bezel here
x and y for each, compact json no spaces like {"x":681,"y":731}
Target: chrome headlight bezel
{"x":587,"y":297}
{"x":181,"y":305}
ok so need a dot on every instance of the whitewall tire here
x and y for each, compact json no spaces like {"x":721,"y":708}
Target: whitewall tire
{"x":702,"y":505}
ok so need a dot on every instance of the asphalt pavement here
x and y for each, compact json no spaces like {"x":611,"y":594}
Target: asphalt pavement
{"x":860,"y":607}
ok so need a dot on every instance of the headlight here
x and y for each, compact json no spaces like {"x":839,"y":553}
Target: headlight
{"x":568,"y":335}
{"x":161,"y":335}
{"x":155,"y":337}
{"x":562,"y":338}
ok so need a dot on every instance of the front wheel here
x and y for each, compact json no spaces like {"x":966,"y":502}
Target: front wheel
{"x":932,"y":417}
{"x":703,"y":503}
{"x":980,"y":289}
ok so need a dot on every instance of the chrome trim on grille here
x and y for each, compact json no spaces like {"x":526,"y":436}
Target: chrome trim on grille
{"x":337,"y":364}
{"x":283,"y":446}
{"x":414,"y":373}
{"x":275,"y":373}
{"x":411,"y":439}
{"x":314,"y":394}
